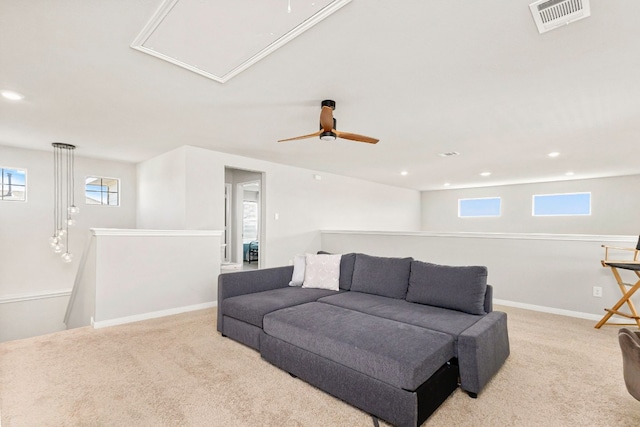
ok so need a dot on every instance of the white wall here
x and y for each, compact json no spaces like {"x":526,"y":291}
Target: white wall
{"x":28,"y":266}
{"x":615,"y":208}
{"x":25,"y":318}
{"x":133,"y":275}
{"x":554,"y":273}
{"x":161,"y":201}
{"x":304,"y":204}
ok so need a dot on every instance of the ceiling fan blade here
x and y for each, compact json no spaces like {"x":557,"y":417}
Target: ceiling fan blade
{"x":311,"y":135}
{"x":326,"y":119}
{"x":355,"y":137}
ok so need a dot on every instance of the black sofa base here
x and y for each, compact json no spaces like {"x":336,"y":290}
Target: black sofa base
{"x":399,"y":407}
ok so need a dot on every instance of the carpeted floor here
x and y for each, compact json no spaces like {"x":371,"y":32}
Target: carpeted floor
{"x":178,"y":371}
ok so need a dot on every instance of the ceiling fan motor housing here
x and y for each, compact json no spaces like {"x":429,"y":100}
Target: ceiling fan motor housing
{"x":334,"y":124}
{"x":329,"y":103}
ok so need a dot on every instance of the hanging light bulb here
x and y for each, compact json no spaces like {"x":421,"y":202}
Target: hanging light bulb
{"x":73,"y":210}
{"x":54,"y":240}
{"x":62,"y":232}
{"x":71,"y":222}
{"x":67,"y":257}
{"x":58,"y":247}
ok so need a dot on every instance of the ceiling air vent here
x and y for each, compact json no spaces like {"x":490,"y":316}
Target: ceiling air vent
{"x":449,"y":154}
{"x":550,"y":14}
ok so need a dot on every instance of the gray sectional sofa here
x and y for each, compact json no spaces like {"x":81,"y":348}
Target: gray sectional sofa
{"x":395,"y":340}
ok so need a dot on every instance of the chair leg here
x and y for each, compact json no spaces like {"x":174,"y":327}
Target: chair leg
{"x":626,"y":298}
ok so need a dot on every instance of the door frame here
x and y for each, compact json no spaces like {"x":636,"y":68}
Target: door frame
{"x":236,"y":235}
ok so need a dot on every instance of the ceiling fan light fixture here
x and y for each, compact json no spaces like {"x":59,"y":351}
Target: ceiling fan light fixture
{"x":328,"y":136}
{"x":328,"y":132}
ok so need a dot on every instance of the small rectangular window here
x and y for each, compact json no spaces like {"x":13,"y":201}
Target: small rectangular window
{"x":13,"y":183}
{"x":483,"y":207}
{"x":102,"y":191}
{"x":566,"y":204}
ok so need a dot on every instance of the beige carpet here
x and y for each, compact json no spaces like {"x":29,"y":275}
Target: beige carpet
{"x":178,"y":371}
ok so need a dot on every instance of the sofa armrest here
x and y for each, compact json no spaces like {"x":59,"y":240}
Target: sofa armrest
{"x":482,"y":350}
{"x":249,"y":282}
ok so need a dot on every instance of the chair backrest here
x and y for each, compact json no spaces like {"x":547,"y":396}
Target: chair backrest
{"x":630,"y":346}
{"x":638,"y":245}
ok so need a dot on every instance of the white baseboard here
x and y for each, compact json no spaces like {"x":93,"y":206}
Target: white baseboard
{"x":550,"y":310}
{"x":152,"y":315}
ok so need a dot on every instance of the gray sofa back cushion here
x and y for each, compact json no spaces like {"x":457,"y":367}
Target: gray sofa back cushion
{"x":346,"y":269}
{"x":388,"y":277}
{"x":458,"y":288}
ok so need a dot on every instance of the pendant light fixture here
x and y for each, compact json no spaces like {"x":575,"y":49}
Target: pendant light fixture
{"x":64,"y":206}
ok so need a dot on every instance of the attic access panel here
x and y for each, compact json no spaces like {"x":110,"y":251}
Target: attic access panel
{"x":220,"y":38}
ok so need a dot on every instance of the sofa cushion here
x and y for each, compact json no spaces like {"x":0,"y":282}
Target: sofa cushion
{"x":251,"y":308}
{"x":346,"y":269}
{"x":387,"y":277}
{"x":322,"y":271}
{"x":299,"y":264}
{"x":457,"y":288}
{"x":435,"y":318}
{"x":398,"y":354}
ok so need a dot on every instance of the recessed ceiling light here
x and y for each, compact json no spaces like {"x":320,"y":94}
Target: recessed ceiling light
{"x":569,"y":173}
{"x":14,"y":96}
{"x":553,"y":154}
{"x":404,"y":173}
{"x":485,"y":173}
{"x":446,"y":184}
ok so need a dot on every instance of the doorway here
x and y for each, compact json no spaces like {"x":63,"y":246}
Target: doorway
{"x":244,"y":219}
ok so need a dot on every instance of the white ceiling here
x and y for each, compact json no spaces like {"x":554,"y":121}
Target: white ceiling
{"x":423,"y":76}
{"x":220,"y":38}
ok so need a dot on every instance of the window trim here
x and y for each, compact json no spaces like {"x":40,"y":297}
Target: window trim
{"x":499,"y":198}
{"x":84,"y":192}
{"x":26,"y":184}
{"x":533,"y":204}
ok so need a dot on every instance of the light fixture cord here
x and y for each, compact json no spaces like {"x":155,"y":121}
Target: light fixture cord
{"x":67,"y":195}
{"x":73,"y":181}
{"x":68,"y":181}
{"x":60,"y":179}
{"x":55,"y":191}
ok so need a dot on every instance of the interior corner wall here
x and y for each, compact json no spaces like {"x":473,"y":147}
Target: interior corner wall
{"x":614,"y":208}
{"x":162,"y":190}
{"x":33,"y":280}
{"x":304,"y":205}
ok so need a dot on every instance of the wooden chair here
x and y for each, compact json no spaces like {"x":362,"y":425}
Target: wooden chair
{"x":630,"y":346}
{"x":627,"y":289}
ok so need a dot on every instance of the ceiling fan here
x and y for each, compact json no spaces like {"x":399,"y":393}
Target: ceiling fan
{"x":328,"y":130}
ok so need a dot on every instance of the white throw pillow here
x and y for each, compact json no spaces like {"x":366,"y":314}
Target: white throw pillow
{"x":322,"y":271}
{"x":297,"y":278}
